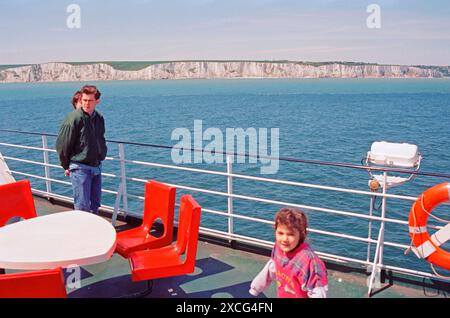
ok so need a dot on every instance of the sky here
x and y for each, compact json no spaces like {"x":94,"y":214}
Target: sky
{"x":411,"y":32}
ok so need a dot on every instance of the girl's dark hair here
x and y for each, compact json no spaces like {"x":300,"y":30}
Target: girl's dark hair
{"x":294,"y":219}
{"x":76,"y":97}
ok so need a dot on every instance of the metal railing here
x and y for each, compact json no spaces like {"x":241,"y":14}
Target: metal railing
{"x":374,"y":264}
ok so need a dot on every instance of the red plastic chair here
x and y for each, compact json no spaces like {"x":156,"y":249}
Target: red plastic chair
{"x":16,"y":200}
{"x":37,"y":284}
{"x":159,"y":203}
{"x":168,"y":261}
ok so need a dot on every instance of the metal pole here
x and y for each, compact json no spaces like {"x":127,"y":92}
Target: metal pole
{"x":374,"y":280}
{"x":383,"y":214}
{"x":48,"y":183}
{"x":123,"y":176}
{"x":369,"y":232}
{"x":230,"y":191}
{"x":374,"y":269}
{"x":117,"y":204}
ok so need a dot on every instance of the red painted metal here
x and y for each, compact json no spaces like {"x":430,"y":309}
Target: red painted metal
{"x":16,"y":200}
{"x":168,"y":260}
{"x":47,"y":283}
{"x":159,"y":203}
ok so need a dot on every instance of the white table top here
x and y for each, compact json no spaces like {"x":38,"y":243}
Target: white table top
{"x":62,"y":239}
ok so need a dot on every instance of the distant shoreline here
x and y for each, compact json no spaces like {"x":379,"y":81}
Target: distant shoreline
{"x":159,"y":70}
{"x":138,"y":65}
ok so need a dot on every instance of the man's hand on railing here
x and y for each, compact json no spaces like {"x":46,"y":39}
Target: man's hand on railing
{"x":67,"y":172}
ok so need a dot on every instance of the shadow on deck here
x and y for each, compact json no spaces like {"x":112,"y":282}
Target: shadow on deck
{"x":224,"y":271}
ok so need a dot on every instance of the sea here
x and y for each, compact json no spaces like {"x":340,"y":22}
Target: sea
{"x":329,"y":120}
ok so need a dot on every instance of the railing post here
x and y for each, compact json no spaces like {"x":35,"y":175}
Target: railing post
{"x":383,"y":214}
{"x":230,"y":192}
{"x":48,"y":183}
{"x":116,"y":205}
{"x":123,"y":176}
{"x":369,"y":231}
{"x":374,"y":279}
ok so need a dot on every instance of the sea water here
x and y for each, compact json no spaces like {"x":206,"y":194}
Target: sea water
{"x":333,"y":120}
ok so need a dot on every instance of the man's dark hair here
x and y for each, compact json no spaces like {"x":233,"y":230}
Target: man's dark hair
{"x":91,"y":89}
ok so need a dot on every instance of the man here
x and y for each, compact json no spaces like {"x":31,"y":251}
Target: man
{"x":81,"y":147}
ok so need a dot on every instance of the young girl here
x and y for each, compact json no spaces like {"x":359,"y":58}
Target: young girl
{"x":297,"y":269}
{"x":76,"y":100}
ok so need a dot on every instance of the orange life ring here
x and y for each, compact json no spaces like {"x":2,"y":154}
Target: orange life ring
{"x":428,"y":247}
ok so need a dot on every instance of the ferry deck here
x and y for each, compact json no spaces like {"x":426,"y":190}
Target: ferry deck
{"x":226,"y":262}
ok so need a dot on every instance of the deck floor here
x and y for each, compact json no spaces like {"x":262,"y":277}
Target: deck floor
{"x":221,"y":272}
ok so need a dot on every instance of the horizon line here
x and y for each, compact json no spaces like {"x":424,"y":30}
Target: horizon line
{"x":223,"y":61}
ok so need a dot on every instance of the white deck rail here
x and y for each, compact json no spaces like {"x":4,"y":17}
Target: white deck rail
{"x":372,"y":263}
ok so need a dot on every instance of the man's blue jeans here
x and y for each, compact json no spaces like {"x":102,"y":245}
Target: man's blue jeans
{"x":87,"y":186}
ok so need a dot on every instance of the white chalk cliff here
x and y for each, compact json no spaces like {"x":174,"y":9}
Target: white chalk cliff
{"x":50,"y":72}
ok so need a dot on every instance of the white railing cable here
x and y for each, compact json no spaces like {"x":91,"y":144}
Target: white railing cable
{"x":53,"y":180}
{"x":312,"y":208}
{"x":282,"y":203}
{"x":38,"y":177}
{"x":284,"y":182}
{"x":346,"y":213}
{"x":376,"y":263}
{"x":51,"y":165}
{"x":33,"y":162}
{"x":26,"y":147}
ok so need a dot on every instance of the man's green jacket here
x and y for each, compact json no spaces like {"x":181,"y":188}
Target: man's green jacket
{"x":81,"y":139}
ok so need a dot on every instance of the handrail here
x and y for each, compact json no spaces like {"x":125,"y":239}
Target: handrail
{"x":225,"y":174}
{"x":376,"y":263}
{"x":351,"y":214}
{"x":288,"y":159}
